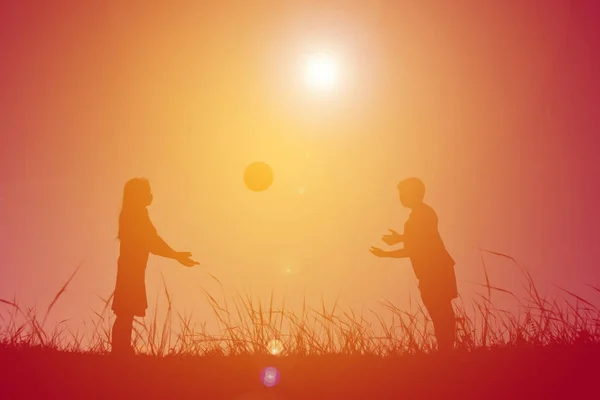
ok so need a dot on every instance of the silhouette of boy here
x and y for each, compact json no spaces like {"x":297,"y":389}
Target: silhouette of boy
{"x":138,"y":238}
{"x":433,"y":265}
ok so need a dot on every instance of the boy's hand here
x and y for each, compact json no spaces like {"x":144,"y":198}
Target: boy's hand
{"x":184,"y":259}
{"x":377,"y":252}
{"x":392,"y":238}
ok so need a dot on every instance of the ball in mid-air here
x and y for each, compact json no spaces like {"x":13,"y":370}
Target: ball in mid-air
{"x":258,"y":176}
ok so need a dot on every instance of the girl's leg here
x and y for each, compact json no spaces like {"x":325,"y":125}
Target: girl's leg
{"x":121,"y":334}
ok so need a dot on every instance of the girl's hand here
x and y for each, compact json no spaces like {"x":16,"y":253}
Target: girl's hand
{"x":184,"y":258}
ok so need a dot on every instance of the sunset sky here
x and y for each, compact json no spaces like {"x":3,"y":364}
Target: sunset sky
{"x":493,"y":104}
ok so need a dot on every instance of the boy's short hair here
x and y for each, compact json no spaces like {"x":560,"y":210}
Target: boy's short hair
{"x":413,"y":186}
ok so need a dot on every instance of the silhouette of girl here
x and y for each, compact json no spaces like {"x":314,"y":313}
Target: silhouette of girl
{"x":138,"y":238}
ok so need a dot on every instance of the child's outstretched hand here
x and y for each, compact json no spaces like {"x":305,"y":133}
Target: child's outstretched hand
{"x":184,"y":258}
{"x":378,"y":252}
{"x":392,"y":238}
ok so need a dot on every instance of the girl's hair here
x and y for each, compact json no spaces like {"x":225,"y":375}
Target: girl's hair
{"x":135,"y":198}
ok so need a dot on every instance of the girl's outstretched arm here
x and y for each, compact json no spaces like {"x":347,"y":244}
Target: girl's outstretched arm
{"x":156,"y":244}
{"x":160,"y":248}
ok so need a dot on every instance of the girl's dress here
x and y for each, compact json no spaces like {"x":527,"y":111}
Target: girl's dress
{"x":136,"y":235}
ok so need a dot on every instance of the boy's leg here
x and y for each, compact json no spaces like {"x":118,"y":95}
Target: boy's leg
{"x":121,"y":334}
{"x":444,"y":321}
{"x":447,"y":326}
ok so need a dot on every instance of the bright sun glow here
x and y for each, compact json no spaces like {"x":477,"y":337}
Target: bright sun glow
{"x":322,"y":71}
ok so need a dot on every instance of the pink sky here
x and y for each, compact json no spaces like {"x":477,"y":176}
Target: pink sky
{"x":493,"y":104}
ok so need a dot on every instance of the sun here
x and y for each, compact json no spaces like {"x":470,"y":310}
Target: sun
{"x":322,"y":71}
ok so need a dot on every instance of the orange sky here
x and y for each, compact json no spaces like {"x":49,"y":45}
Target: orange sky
{"x":492,"y":104}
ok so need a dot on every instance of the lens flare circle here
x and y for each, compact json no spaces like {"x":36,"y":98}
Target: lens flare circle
{"x":269,"y":376}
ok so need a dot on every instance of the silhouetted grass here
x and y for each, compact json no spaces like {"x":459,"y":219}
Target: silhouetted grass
{"x":247,"y":326}
{"x":547,"y":348}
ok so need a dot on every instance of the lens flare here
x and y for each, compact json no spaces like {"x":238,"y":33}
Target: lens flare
{"x":269,"y":376}
{"x":275,"y":347}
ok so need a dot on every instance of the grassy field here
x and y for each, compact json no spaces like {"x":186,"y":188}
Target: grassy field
{"x":547,"y":349}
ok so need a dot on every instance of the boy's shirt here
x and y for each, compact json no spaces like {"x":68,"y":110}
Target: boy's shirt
{"x":433,"y":265}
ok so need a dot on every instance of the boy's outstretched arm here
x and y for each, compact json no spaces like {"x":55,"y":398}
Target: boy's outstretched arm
{"x":392,"y":238}
{"x":400,"y":253}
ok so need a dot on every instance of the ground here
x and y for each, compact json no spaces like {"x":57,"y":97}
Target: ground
{"x":543,"y":373}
